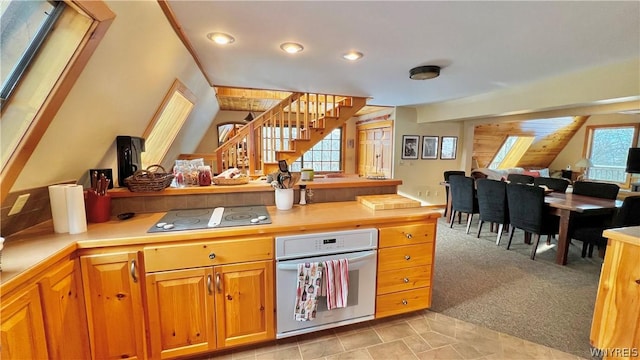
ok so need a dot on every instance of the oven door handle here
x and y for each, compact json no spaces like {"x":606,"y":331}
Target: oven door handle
{"x":351,"y":261}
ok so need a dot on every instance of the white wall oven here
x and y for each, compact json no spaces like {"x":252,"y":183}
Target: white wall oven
{"x":356,"y":246}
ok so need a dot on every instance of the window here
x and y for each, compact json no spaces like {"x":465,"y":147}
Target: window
{"x":326,"y":155}
{"x":323,"y":156}
{"x":47,"y":80}
{"x":24,"y":25}
{"x":511,"y":151}
{"x":168,"y":120}
{"x":607,"y":148}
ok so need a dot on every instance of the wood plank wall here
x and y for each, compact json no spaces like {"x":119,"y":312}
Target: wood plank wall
{"x":551,"y":136}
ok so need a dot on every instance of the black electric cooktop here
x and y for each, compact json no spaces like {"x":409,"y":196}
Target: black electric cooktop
{"x":204,"y":218}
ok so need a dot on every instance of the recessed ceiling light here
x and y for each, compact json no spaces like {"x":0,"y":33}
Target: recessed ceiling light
{"x":220,"y":38}
{"x":291,"y":47}
{"x":352,"y":55}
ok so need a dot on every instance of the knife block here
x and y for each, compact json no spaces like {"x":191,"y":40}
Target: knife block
{"x":98,"y":207}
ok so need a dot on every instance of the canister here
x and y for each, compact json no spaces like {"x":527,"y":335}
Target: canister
{"x":306,"y":174}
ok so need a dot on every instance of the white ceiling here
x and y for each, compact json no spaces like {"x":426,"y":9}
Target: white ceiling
{"x":481,"y":45}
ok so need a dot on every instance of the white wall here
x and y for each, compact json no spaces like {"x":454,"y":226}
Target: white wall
{"x":118,"y":93}
{"x":421,"y":178}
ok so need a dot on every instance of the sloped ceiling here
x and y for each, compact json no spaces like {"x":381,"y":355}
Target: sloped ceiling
{"x":551,"y":136}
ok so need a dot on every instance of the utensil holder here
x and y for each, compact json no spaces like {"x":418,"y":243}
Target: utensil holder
{"x":284,"y":199}
{"x":98,"y":207}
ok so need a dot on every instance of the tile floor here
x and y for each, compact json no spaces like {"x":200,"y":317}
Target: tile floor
{"x":419,"y":335}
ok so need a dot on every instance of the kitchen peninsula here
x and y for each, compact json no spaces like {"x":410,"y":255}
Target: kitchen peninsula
{"x":107,"y":292}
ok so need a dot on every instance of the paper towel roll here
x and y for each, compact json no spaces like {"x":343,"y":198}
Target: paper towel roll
{"x":75,"y":209}
{"x":58,"y":200}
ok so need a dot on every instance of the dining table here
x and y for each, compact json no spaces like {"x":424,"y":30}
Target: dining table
{"x":569,"y":206}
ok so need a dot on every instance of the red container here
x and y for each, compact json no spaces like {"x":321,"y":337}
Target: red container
{"x":98,"y":207}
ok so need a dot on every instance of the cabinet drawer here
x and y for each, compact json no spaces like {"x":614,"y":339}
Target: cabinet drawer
{"x":402,"y":302}
{"x":403,"y":279}
{"x":207,"y":253}
{"x":405,"y":256}
{"x":407,"y":234}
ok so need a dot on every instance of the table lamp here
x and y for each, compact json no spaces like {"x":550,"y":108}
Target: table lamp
{"x":583,"y":164}
{"x":633,"y":166}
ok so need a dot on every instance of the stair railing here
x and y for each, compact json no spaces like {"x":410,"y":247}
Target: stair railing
{"x":276,"y":130}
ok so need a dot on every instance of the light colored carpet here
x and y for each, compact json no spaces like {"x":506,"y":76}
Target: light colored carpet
{"x":503,"y":290}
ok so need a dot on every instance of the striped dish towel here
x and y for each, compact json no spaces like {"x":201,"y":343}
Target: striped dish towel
{"x":307,"y":290}
{"x":336,"y":283}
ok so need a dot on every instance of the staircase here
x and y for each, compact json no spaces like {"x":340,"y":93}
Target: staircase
{"x":285,"y":132}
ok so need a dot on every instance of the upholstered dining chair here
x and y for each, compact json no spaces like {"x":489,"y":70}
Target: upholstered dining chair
{"x":527,"y":212}
{"x":492,"y":203}
{"x":447,"y":174}
{"x":520,"y":179}
{"x":463,"y":198}
{"x":627,"y":215}
{"x":596,"y":189}
{"x":555,"y":184}
{"x":593,"y":189}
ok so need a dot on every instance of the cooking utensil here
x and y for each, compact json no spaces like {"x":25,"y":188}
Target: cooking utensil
{"x":282,"y":165}
{"x":284,"y":179}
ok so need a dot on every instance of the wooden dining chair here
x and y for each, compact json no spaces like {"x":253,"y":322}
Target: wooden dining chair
{"x":528,"y":212}
{"x":520,"y":179}
{"x":463,"y":198}
{"x":555,"y":184}
{"x":627,"y":215}
{"x":492,"y":203}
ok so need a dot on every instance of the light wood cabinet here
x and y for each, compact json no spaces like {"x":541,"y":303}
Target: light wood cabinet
{"x":64,"y":312}
{"x":22,"y":330}
{"x":114,"y":306}
{"x":405,"y":268}
{"x":181,"y":312}
{"x":616,"y":318}
{"x":244,"y":303}
{"x":194,"y":308}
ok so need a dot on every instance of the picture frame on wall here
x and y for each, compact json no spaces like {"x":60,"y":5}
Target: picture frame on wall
{"x":448,"y":147}
{"x":410,"y":147}
{"x":430,"y":147}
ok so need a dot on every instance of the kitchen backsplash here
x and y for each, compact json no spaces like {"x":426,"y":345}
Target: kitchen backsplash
{"x":37,"y":209}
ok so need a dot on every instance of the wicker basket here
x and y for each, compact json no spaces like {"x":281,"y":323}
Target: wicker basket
{"x":149,"y":180}
{"x":237,"y":181}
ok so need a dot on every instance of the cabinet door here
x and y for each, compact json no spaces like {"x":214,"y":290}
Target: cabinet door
{"x":244,"y":303}
{"x":22,"y":329}
{"x":616,"y":317}
{"x":64,"y":312}
{"x":114,"y":306}
{"x":181,"y":312}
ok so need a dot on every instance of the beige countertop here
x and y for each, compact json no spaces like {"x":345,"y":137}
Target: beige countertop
{"x":24,"y":251}
{"x":629,"y":234}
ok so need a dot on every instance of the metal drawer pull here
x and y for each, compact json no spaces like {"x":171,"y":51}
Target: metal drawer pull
{"x":404,"y":302}
{"x":209,"y":288}
{"x":407,"y":257}
{"x":409,"y":236}
{"x":406,"y":280}
{"x":212,"y":256}
{"x":133,"y":271}
{"x":218,"y":282}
